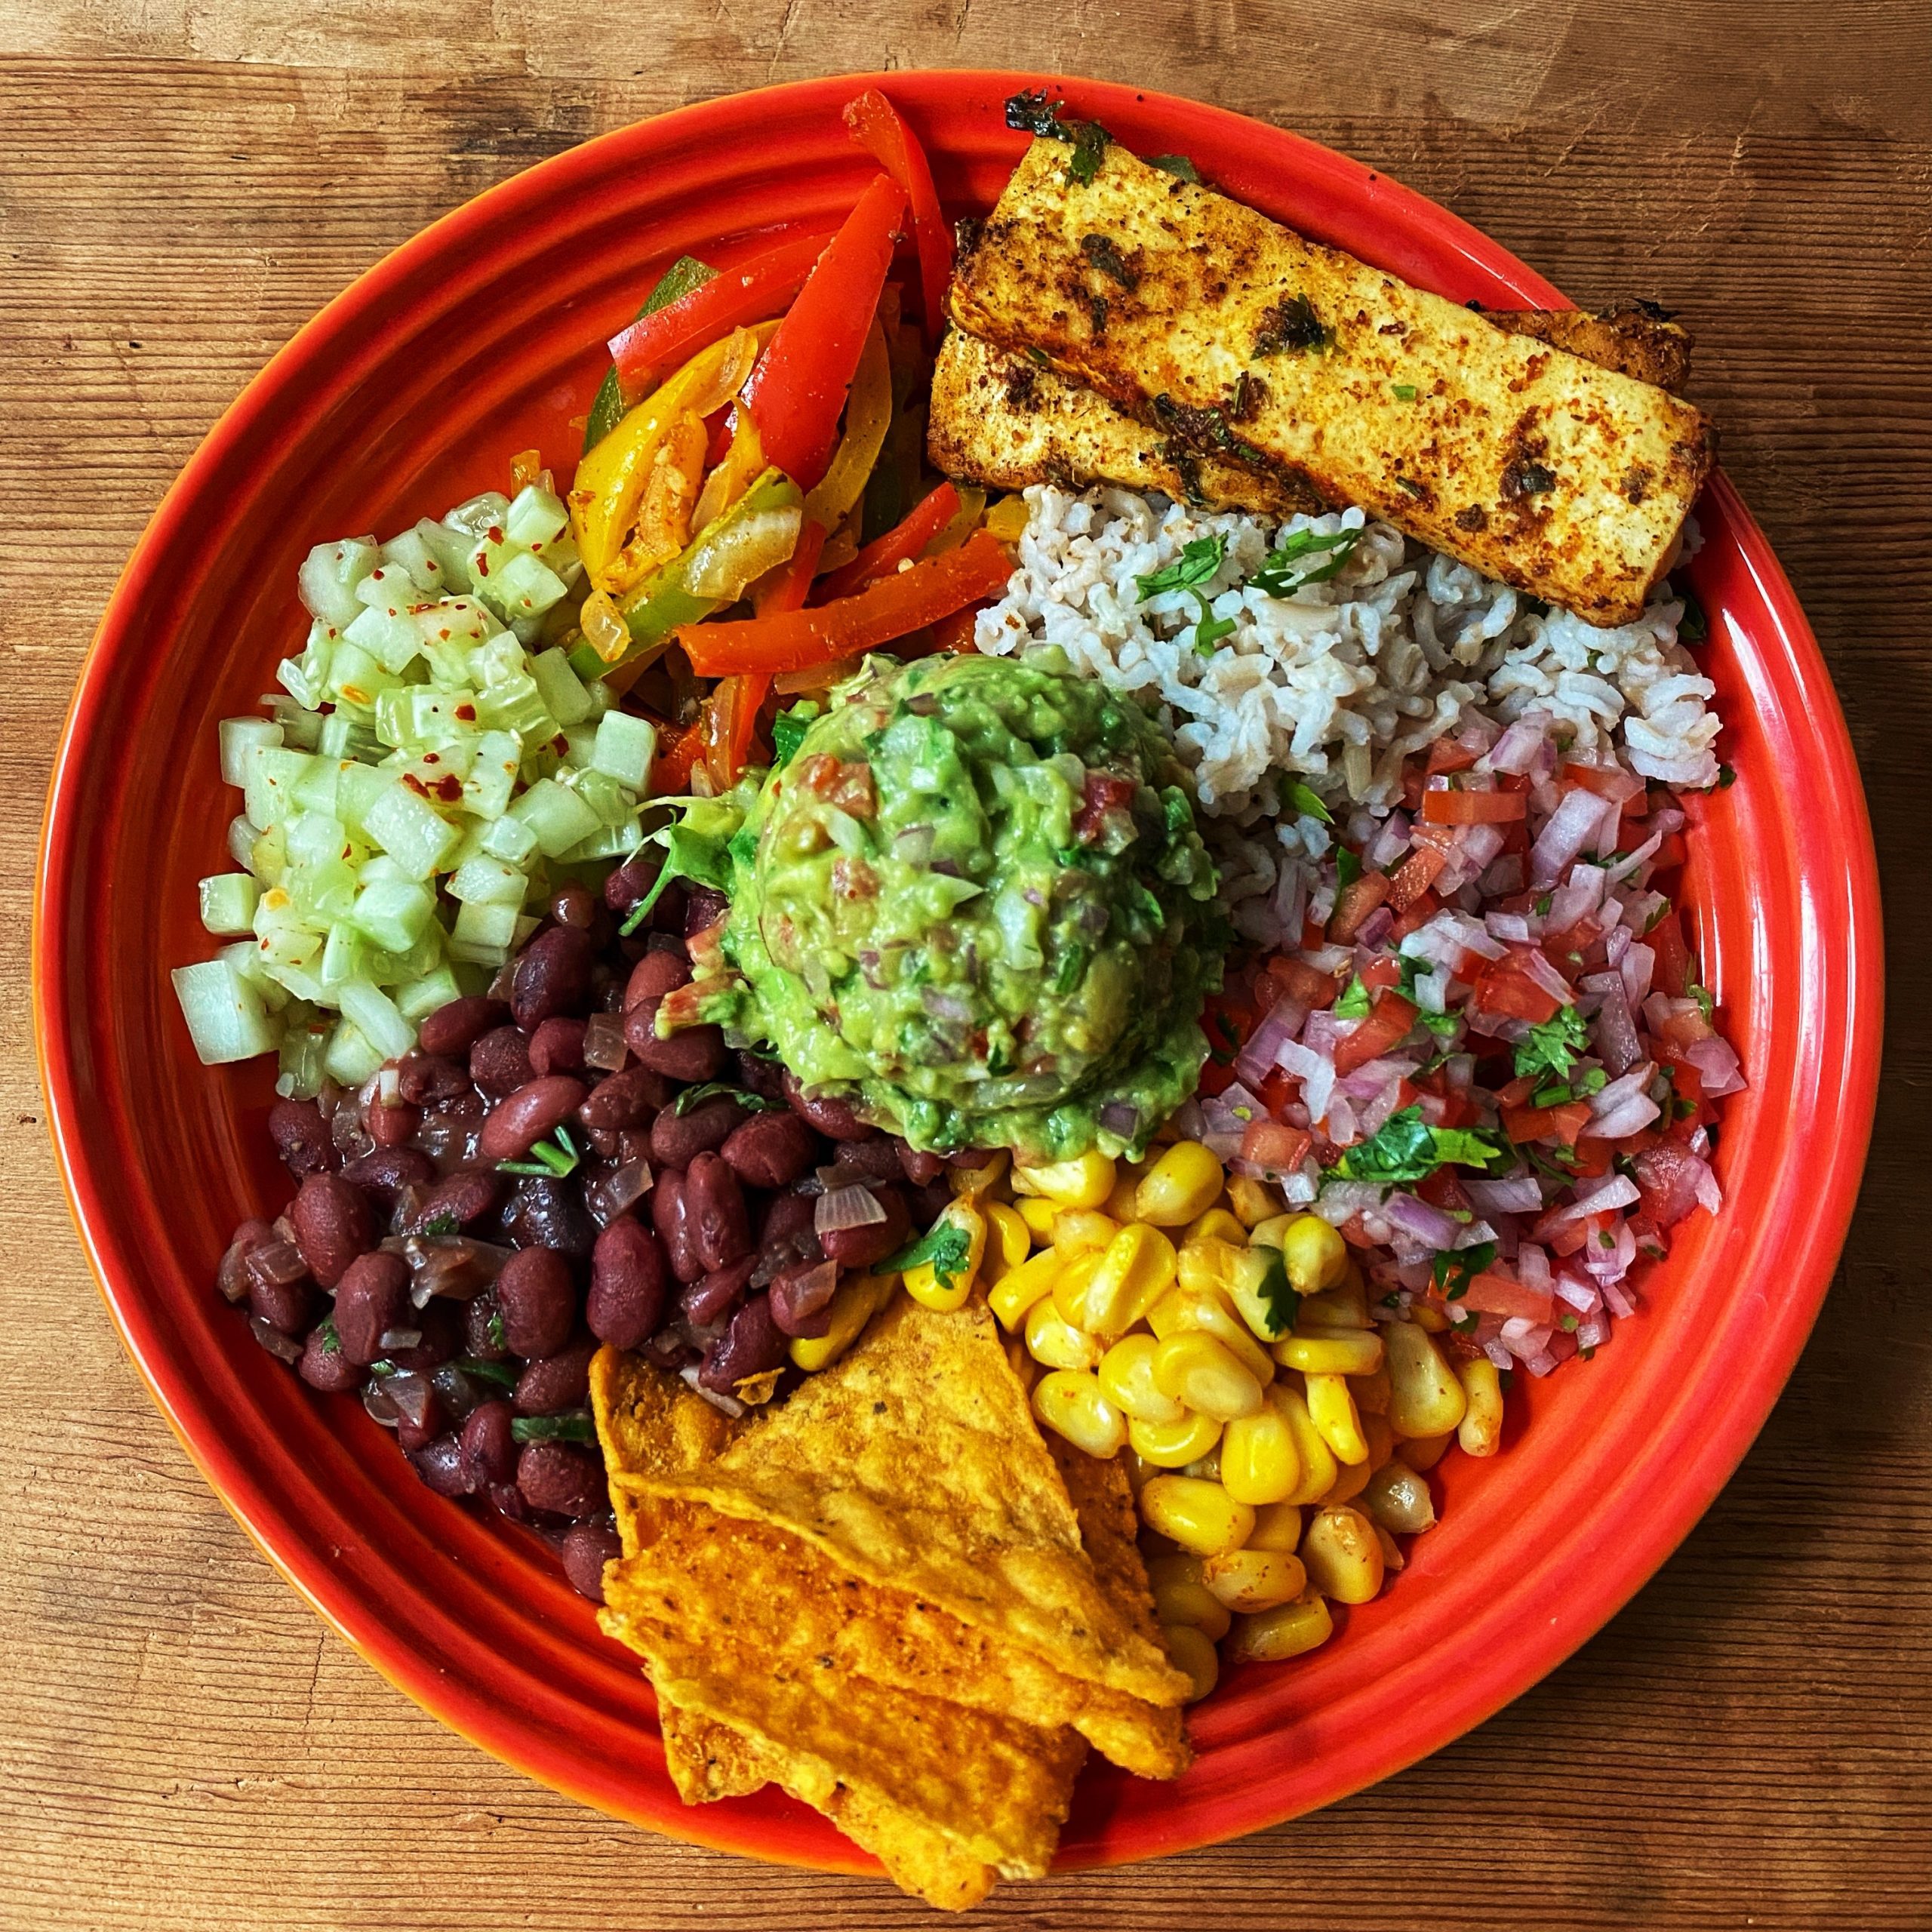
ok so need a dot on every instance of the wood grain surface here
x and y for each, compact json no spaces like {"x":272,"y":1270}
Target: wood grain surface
{"x":183,"y":182}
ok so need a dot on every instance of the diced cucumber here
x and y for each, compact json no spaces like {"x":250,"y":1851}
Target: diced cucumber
{"x":483,"y":934}
{"x":476,"y":514}
{"x":607,"y":841}
{"x":300,"y":728}
{"x":393,"y":912}
{"x":245,"y":956}
{"x":272,"y":775}
{"x":241,"y":739}
{"x":487,"y":881}
{"x":355,"y":678}
{"x":511,"y":838}
{"x":406,"y":827}
{"x":350,"y":1059}
{"x":449,"y":548}
{"x":329,"y":575}
{"x":515,"y":704}
{"x":626,"y":746}
{"x":534,"y":518}
{"x":241,"y":837}
{"x":357,"y":786}
{"x":388,"y":636}
{"x":421,"y":998}
{"x":493,"y":776}
{"x":374,"y":1015}
{"x":304,"y":1044}
{"x":523,"y":587}
{"x":305,"y":678}
{"x":562,"y":690}
{"x":559,"y":818}
{"x":613,"y":804}
{"x":226,"y":1016}
{"x":228,"y":902}
{"x":345,"y":957}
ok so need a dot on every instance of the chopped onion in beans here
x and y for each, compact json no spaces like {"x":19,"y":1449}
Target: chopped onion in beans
{"x":604,"y":1046}
{"x":844,"y":1208}
{"x":401,"y":1338}
{"x":285,"y":1348}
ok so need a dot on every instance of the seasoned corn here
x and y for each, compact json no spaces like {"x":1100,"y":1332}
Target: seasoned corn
{"x":1345,"y":1307}
{"x":1480,"y":1431}
{"x":1173,"y":1445}
{"x":1084,"y":1183}
{"x":1208,"y":1264}
{"x":1127,"y":1380}
{"x":1351,"y":1479}
{"x":1199,"y":1371}
{"x":1392,"y":1558}
{"x":1135,"y":1270}
{"x":1259,"y":1288}
{"x":1398,"y":1499}
{"x":1039,"y":1214}
{"x":1016,"y":1293}
{"x":1342,"y":1554}
{"x":1209,"y":1310}
{"x":1070,"y":1284}
{"x":1199,"y":1516}
{"x":1317,"y":1256}
{"x":975,"y":1183}
{"x":1191,"y":1652}
{"x":1316,"y":1459}
{"x":1052,"y":1340}
{"x":1009,"y":1241}
{"x":1422,"y":1452}
{"x":1333,"y":1411}
{"x":1076,"y":1229}
{"x":1120,"y":1204}
{"x":1432,"y":1320}
{"x":1286,"y":1630}
{"x":1259,"y":1464}
{"x":1348,"y":1352}
{"x":1069,"y":1402}
{"x":1217,"y":1224}
{"x":859,"y":1298}
{"x":923,"y":1284}
{"x":1372,"y":1392}
{"x":1277,"y":1526}
{"x":1269,"y":1233}
{"x":1250,"y":1579}
{"x":1181,"y":1597}
{"x":1253,"y":1201}
{"x":1425,"y":1397}
{"x":1184,"y":1184}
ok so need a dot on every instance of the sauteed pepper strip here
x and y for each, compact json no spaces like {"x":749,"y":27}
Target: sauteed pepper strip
{"x":878,"y":127}
{"x":886,"y":553}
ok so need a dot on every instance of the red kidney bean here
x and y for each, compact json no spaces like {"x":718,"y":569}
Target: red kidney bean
{"x":625,"y":885}
{"x":558,"y":1383}
{"x":481,"y":1340}
{"x":604,"y":1140}
{"x":233,"y":1276}
{"x":390,"y":1169}
{"x":324,"y":1366}
{"x":626,"y":1098}
{"x":786,"y":1235}
{"x":764,"y":1077}
{"x":717,"y":1294}
{"x":546,"y":1212}
{"x":286,"y":1307}
{"x":753,"y":1345}
{"x":564,"y":1477}
{"x":536,"y":1297}
{"x":552,"y":975}
{"x":633,"y":1144}
{"x":629,"y":1278}
{"x":440,"y":1464}
{"x":557,"y":1046}
{"x":677,"y":1139}
{"x":874,"y":1161}
{"x":771,"y":1149}
{"x":431,"y":1080}
{"x":667,"y":916}
{"x":419,"y":1434}
{"x":373,"y":1298}
{"x":454,"y":1029}
{"x":862,"y":1247}
{"x":921,"y":1169}
{"x":585,"y":1548}
{"x":332,"y":1224}
{"x":971,"y":1158}
{"x":833,"y":1118}
{"x":571,"y":904}
{"x":507,"y":1501}
{"x":801,"y":1299}
{"x":694,"y":1055}
{"x":455,"y":1201}
{"x":489,"y":1449}
{"x":929,"y":1202}
{"x":499,"y":1062}
{"x":703,"y":908}
{"x":441,"y":1324}
{"x":302,"y":1138}
{"x":668,"y":1215}
{"x":392,"y":1127}
{"x":656,"y":974}
{"x":538,"y":1108}
{"x":714,"y":1206}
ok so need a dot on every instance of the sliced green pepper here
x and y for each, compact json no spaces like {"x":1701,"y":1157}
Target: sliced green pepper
{"x":607,"y":410}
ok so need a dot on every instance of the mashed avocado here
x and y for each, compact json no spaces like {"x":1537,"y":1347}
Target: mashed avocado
{"x":974,"y":903}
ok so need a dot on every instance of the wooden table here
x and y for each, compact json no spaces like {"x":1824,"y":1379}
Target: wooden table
{"x":182,"y":184}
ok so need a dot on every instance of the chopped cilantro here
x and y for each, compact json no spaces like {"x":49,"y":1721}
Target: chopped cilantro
{"x":1405,"y":391}
{"x":1033,"y":113}
{"x":1694,"y":627}
{"x":331,"y":1342}
{"x":1292,"y":326}
{"x":1455,"y":1269}
{"x":1544,"y":903}
{"x":500,"y":1373}
{"x":1354,"y":1003}
{"x":1726,"y":778}
{"x":1552,"y":1044}
{"x":1178,"y":166}
{"x":1209,"y":631}
{"x":1305,"y":800}
{"x":721,"y":1090}
{"x":1348,"y":867}
{"x":444,"y":1223}
{"x":493,"y":1328}
{"x":944,"y":1247}
{"x":1072,"y":966}
{"x":1276,"y":1294}
{"x":787,"y":730}
{"x":552,"y":1428}
{"x":1407,"y":1149}
{"x":1706,"y":1005}
{"x":1199,"y":560}
{"x":554,"y":1159}
{"x":687,"y":854}
{"x":1282,"y":572}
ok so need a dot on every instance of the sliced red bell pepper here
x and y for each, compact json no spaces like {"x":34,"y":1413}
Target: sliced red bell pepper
{"x":796,"y":640}
{"x":754,"y":291}
{"x":878,"y":127}
{"x":740,"y":699}
{"x":787,"y":590}
{"x":902,"y":542}
{"x":796,"y":393}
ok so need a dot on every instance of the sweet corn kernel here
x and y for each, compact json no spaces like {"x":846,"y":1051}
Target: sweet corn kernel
{"x":944,"y":1293}
{"x":1259,"y":1464}
{"x":1333,"y":1411}
{"x":1351,"y":1479}
{"x":1249,"y":1579}
{"x":1342,"y":1554}
{"x":1127,"y":1379}
{"x":1372,"y":1392}
{"x":1277,"y":1526}
{"x":1052,"y":1340}
{"x":1209,"y":1309}
{"x":1076,"y":1273}
{"x":1376,"y":1433}
{"x":1173,"y":1445}
{"x":1076,"y":1229}
{"x":1120,"y":1204}
{"x":1084,"y":1183}
{"x":1184,"y":1184}
{"x":1269,"y":1233}
{"x":1351,"y":1351}
{"x":1392,"y":1558}
{"x":1191,"y":1652}
{"x":1480,"y":1431}
{"x":1193,"y":1604}
{"x":1135,"y":1270}
{"x":1173,"y":1566}
{"x":1253,"y":1201}
{"x":1432,"y":1321}
{"x":1069,"y":1402}
{"x":1016,"y":1292}
{"x":1208,"y":1264}
{"x":1398,"y":1499}
{"x":1317,"y":1461}
{"x":1317,"y":1256}
{"x":1286,"y":1630}
{"x":858,"y":1299}
{"x":1196,"y":1369}
{"x":1345,"y":1307}
{"x":1199,"y":1516}
{"x":1422,"y":1452}
{"x":1217,"y":1224}
{"x":976,"y":1183}
{"x":1208,"y":1467}
{"x":1425,"y":1397}
{"x":1039,"y":1214}
{"x":1009,"y":1241}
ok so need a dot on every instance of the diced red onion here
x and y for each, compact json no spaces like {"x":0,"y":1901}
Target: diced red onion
{"x":1615,"y":1030}
{"x":1710,"y":1195}
{"x":1256,"y":1059}
{"x":1323,"y":1032}
{"x":1616,"y":1190}
{"x":1498,"y":1355}
{"x":1515,"y":752}
{"x":1476,"y":732}
{"x":1316,"y":1071}
{"x":1593,"y":1332}
{"x":1121,"y":1118}
{"x":1505,"y":877}
{"x":1571,"y":827}
{"x":620,"y":1190}
{"x":1428,"y":1225}
{"x":275,"y":1264}
{"x":284,"y":1347}
{"x":1377,"y":1113}
{"x":1633,"y":861}
{"x":843,"y":1208}
{"x":915,"y":843}
{"x":604,"y":1046}
{"x":1717,"y":1066}
{"x":1541,"y":1363}
{"x":1291,"y":899}
{"x":1341,"y":1201}
{"x":1480,"y":847}
{"x":1632,"y":1117}
{"x":375,"y":1400}
{"x":1617,"y":942}
{"x":1615,"y":1260}
{"x":1512,"y":928}
{"x":729,"y":1405}
{"x":1537,"y":966}
{"x":1376,"y":927}
{"x":1520,"y":1194}
{"x":400,"y":1338}
{"x":1388,"y":843}
{"x":1579,"y":895}
{"x":1618,"y":1298}
{"x":1533,"y":1267}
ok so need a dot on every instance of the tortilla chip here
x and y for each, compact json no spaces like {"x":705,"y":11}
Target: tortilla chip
{"x":916,"y":1463}
{"x":709,"y":1761}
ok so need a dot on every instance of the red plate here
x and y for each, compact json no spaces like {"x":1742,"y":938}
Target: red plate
{"x":481,"y":336}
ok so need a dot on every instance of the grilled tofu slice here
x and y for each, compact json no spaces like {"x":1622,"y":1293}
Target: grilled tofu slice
{"x":1630,"y":339}
{"x":1238,"y":338}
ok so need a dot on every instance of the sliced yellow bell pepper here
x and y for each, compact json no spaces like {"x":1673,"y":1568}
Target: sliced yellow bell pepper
{"x":868,"y":416}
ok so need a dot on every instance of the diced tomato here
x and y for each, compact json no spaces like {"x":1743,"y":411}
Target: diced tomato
{"x":1103,"y":793}
{"x":1424,"y":909}
{"x":1671,"y":853}
{"x":1504,"y":989}
{"x":1387,"y":1021}
{"x":1473,"y":807}
{"x":1684,"y":1076}
{"x":1590,"y":1158}
{"x":1561,"y":1123}
{"x":1673,"y":966}
{"x":1572,"y":1236}
{"x":679,"y":748}
{"x":1606,"y":781}
{"x":1414,"y":781}
{"x":1497,"y":1294}
{"x":1270,"y":1144}
{"x":1415,"y":876}
{"x":1684,"y":1024}
{"x":1301,"y":981}
{"x":1446,"y":754}
{"x":1278,"y":1087}
{"x":1565,"y":950}
{"x":1384,"y":970}
{"x":1444,"y":1189}
{"x":1354,"y":904}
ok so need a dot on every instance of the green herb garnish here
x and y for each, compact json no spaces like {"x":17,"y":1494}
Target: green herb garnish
{"x":1354,"y":1003}
{"x":500,"y":1373}
{"x":1553,"y":1045}
{"x":1455,"y":1269}
{"x":552,"y":1428}
{"x":1033,"y":113}
{"x":1178,"y":166}
{"x":1072,"y":966}
{"x":493,"y":1328}
{"x":1726,"y":778}
{"x":1104,"y":253}
{"x":1348,"y":867}
{"x":554,"y":1159}
{"x":1197,"y":562}
{"x":1405,"y":391}
{"x":1292,"y":326}
{"x":1304,"y":799}
{"x":944,"y":1247}
{"x":788,"y":730}
{"x":1278,"y":574}
{"x":1694,"y":627}
{"x":687,"y":854}
{"x":1407,"y":1149}
{"x":1277,"y":1293}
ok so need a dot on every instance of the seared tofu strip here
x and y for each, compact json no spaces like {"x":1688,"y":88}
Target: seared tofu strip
{"x":1005,"y":421}
{"x":1241,"y":338}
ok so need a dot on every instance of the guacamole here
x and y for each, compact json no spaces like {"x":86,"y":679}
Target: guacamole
{"x":973,"y":903}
